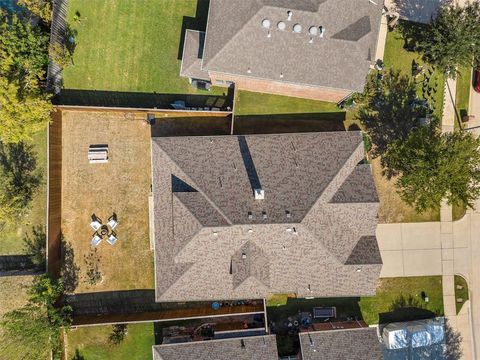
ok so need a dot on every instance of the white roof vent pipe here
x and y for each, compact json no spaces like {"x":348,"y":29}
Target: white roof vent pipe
{"x":289,"y":15}
{"x":297,"y":28}
{"x":313,"y":30}
{"x":281,"y":26}
{"x":259,"y":194}
{"x":322,"y":31}
{"x":266,"y":23}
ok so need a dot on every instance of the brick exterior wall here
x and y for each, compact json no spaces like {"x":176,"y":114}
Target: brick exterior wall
{"x":278,"y":88}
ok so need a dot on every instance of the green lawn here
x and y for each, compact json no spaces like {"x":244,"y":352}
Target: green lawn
{"x":399,"y":58}
{"x":389,"y":294}
{"x":460,"y":293}
{"x":11,"y":236}
{"x":391,"y":290}
{"x":92,"y":343}
{"x":266,"y":113}
{"x":131,"y":45}
{"x":462,"y":97}
{"x":252,"y":103}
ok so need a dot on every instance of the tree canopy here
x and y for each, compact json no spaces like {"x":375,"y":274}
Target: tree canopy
{"x":19,"y":180}
{"x":390,"y":112}
{"x":40,"y":8}
{"x":433,"y":166}
{"x":453,"y":38}
{"x":34,"y":330}
{"x":24,"y":107}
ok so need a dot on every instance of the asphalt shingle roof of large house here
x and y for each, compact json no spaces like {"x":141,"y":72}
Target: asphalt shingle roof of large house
{"x":248,"y":348}
{"x":238,"y":43}
{"x":313,"y":233}
{"x":351,"y":344}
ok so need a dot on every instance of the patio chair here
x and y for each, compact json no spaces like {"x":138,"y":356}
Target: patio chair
{"x":112,"y":239}
{"x":112,"y":222}
{"x":96,"y":240}
{"x":95,"y":224}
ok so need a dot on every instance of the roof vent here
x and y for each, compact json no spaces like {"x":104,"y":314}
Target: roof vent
{"x":249,"y":70}
{"x":313,"y":30}
{"x":259,"y":194}
{"x":266,"y":23}
{"x":289,"y":15}
{"x":281,"y":26}
{"x":250,"y":231}
{"x":250,"y":215}
{"x":264,"y":214}
{"x":288,"y":214}
{"x":242,"y":343}
{"x":269,"y":34}
{"x":281,"y":75}
{"x":244,"y":256}
{"x":297,"y":28}
{"x":322,"y":31}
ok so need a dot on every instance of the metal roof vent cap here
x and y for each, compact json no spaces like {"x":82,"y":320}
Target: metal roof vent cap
{"x":266,"y":23}
{"x":289,"y":15}
{"x":297,"y":28}
{"x":259,"y":194}
{"x":313,"y":30}
{"x":322,"y":31}
{"x":281,"y":26}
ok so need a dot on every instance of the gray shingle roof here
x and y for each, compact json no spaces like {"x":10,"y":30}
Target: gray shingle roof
{"x":192,"y":55}
{"x":351,"y":344}
{"x":236,"y":41}
{"x":207,"y":246}
{"x":248,"y":348}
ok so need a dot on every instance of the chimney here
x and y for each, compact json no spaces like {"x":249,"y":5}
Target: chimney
{"x":259,"y":194}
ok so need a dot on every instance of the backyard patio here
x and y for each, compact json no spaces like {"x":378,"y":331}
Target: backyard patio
{"x":105,"y":217}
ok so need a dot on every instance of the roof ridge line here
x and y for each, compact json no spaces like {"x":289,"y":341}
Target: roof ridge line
{"x":335,"y":177}
{"x":197,"y":187}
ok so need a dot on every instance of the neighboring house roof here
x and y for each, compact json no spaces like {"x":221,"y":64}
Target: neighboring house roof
{"x":313,"y":233}
{"x":237,"y":43}
{"x":358,"y":344}
{"x":248,"y":348}
{"x":192,"y":55}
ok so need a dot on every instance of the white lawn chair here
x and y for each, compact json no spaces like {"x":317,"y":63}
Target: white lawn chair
{"x":112,"y":239}
{"x":112,"y":222}
{"x":96,"y":240}
{"x":95,"y":224}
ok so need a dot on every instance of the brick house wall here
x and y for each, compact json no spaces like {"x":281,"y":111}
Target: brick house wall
{"x":278,"y":88}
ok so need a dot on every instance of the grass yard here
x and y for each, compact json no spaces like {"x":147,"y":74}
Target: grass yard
{"x":392,"y":208}
{"x":122,"y":186}
{"x":92,"y":343}
{"x":13,"y":295}
{"x":462,"y":97}
{"x":257,"y":113}
{"x":460,"y":293}
{"x":132,"y":45}
{"x":397,"y":57}
{"x":390,"y":292}
{"x":11,"y":236}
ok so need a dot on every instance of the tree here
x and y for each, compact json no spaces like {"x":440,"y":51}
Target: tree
{"x":453,"y":38}
{"x":390,"y":112}
{"x":40,"y":8}
{"x":23,"y":51}
{"x":34,"y":330}
{"x":35,"y":246}
{"x":119,"y":331}
{"x":19,"y":180}
{"x":433,"y":166}
{"x":22,"y":113}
